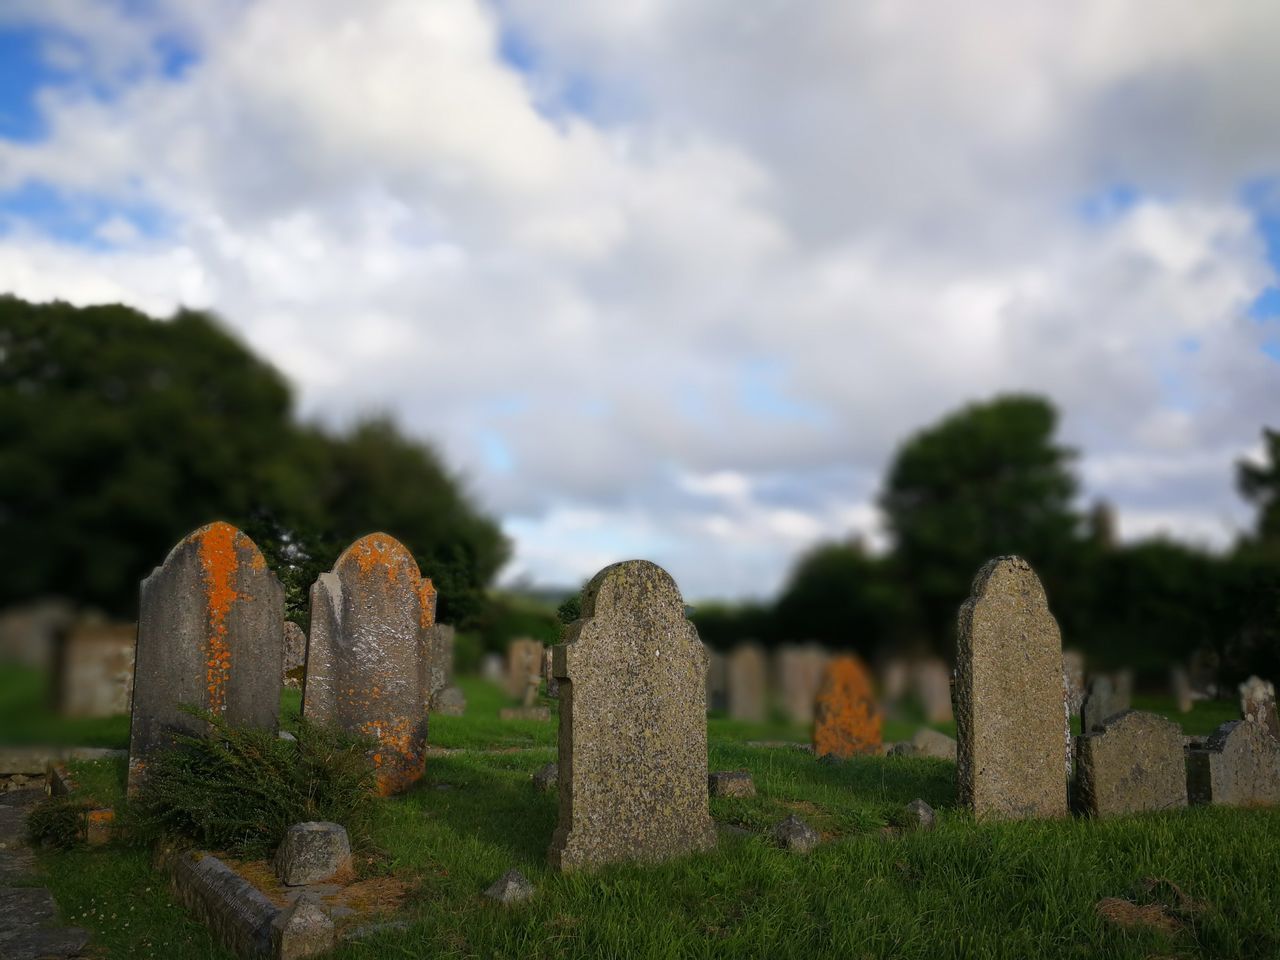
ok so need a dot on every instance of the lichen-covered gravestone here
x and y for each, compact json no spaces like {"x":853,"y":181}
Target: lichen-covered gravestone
{"x":1238,"y":766}
{"x":633,"y":725}
{"x":745,"y":672}
{"x":1133,"y":762}
{"x":1009,"y":697}
{"x":210,"y":635}
{"x":847,"y":719}
{"x":370,"y":618}
{"x":1258,"y":704}
{"x":295,"y":654}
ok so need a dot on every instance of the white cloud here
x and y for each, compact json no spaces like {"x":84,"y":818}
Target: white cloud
{"x":590,"y":261}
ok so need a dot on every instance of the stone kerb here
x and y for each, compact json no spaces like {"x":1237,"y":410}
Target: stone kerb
{"x":1134,"y":762}
{"x":210,"y":636}
{"x":633,"y":729}
{"x":1009,"y":697}
{"x":370,"y":623}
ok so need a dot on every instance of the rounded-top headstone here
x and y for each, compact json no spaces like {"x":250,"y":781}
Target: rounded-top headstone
{"x":210,"y":635}
{"x":368,"y":653}
{"x":633,"y":729}
{"x":1009,"y":706}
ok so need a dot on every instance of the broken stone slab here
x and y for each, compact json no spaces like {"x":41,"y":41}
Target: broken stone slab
{"x":312,"y":852}
{"x":927,"y":742}
{"x":449,"y":702}
{"x":511,"y":887}
{"x":920,"y":815}
{"x":1238,"y":766}
{"x":237,"y":913}
{"x":731,"y":783}
{"x":794,"y":835}
{"x":1133,"y":762}
{"x":546,"y":777}
{"x":540,"y":714}
{"x":302,"y":930}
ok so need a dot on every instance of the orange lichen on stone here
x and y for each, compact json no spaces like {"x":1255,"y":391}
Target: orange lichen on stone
{"x":427,"y":602}
{"x":398,"y":758}
{"x":380,"y":550}
{"x":846,"y":716}
{"x":218,"y":543}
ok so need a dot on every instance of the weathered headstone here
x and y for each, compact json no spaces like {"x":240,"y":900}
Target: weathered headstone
{"x":29,"y":633}
{"x":1101,"y":703}
{"x":1009,"y":697}
{"x":1133,"y":762}
{"x":633,"y":725}
{"x":847,"y":718}
{"x":437,"y":659}
{"x":895,"y":677}
{"x":95,"y":669}
{"x":1237,"y":766}
{"x":731,"y":783}
{"x":312,"y":852}
{"x":493,"y":669}
{"x":524,"y":660}
{"x":799,"y":674}
{"x":1073,"y":676}
{"x":1203,"y":671}
{"x":931,"y":680}
{"x":1258,"y":704}
{"x":210,"y":635}
{"x":745,"y":672}
{"x":549,"y":676}
{"x":1180,"y":687}
{"x":449,"y":702}
{"x":365,"y":669}
{"x":295,"y":655}
{"x":717,"y":680}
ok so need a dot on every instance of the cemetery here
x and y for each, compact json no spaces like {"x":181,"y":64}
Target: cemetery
{"x":621,"y":793}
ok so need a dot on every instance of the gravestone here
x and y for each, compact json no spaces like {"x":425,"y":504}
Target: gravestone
{"x":931,"y":681}
{"x":95,"y":669}
{"x":1073,"y":676}
{"x":1237,"y":766}
{"x":799,"y":674}
{"x":295,"y":655}
{"x":549,"y":677}
{"x":745,"y":671}
{"x":1101,"y":703}
{"x":493,"y":669}
{"x":1009,"y":697}
{"x":524,"y":660}
{"x":1258,"y":704}
{"x":633,"y":725}
{"x":366,"y":671}
{"x":847,"y":718}
{"x":1133,"y":762}
{"x":1180,"y":687}
{"x":895,"y":677}
{"x":210,"y":635}
{"x":437,"y":659}
{"x":717,"y":680}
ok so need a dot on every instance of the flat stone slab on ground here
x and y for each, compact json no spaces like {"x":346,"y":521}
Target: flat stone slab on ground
{"x":731,"y":783}
{"x":540,"y":714}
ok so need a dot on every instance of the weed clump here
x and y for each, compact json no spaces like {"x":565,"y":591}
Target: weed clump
{"x":240,"y":789}
{"x":59,"y":822}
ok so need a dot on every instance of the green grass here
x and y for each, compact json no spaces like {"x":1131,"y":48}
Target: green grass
{"x":966,"y":890}
{"x":27,"y":717}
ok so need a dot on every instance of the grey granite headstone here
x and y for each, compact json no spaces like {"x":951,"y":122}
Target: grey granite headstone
{"x":633,"y":725}
{"x":798,"y":672}
{"x":210,"y":635}
{"x":1133,"y":762}
{"x":449,"y":702}
{"x":370,"y":619}
{"x":1258,"y":704}
{"x":1237,"y":766}
{"x":745,"y":672}
{"x":1009,"y":697}
{"x":932,"y":683}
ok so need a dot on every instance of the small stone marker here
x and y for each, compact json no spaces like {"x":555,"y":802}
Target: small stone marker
{"x":928,"y":742}
{"x":1101,"y":703}
{"x":1009,"y":697}
{"x":1132,"y":763}
{"x":799,"y":674}
{"x":633,"y":725}
{"x":302,"y":930}
{"x":312,"y":852}
{"x":1238,"y":766}
{"x":1180,"y":686}
{"x":210,"y":635}
{"x":847,"y":718}
{"x":717,"y":680}
{"x":895,"y":677}
{"x":295,"y":655}
{"x":745,"y":673}
{"x":492,"y":668}
{"x":524,"y":661}
{"x":794,"y":835}
{"x":1258,"y":704}
{"x":365,"y":669}
{"x":546,"y":778}
{"x":437,"y":659}
{"x":1073,"y":676}
{"x":932,"y":682}
{"x":731,"y":783}
{"x":511,"y":887}
{"x":95,"y":669}
{"x":449,"y":702}
{"x":920,"y":815}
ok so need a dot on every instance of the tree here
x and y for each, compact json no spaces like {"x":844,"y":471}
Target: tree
{"x":842,"y":596}
{"x":1259,"y":483}
{"x":985,"y":481}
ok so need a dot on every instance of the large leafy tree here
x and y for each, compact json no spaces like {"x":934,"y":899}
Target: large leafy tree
{"x":119,"y":434}
{"x":1259,"y":483}
{"x":985,"y":481}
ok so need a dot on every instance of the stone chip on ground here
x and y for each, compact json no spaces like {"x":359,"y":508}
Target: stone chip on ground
{"x":312,"y":852}
{"x":794,"y":835}
{"x":546,"y":778}
{"x":303,"y":930}
{"x":511,"y":887}
{"x":920,"y":815}
{"x":731,"y":783}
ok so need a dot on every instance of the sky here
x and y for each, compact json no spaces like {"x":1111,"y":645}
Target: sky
{"x":672,"y":280}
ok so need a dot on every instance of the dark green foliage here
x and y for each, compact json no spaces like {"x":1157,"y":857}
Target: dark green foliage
{"x":840,"y":595}
{"x":723,"y":626}
{"x":58,"y":822}
{"x":1259,"y":483}
{"x":241,"y":789}
{"x":570,"y":609}
{"x":120,"y":434}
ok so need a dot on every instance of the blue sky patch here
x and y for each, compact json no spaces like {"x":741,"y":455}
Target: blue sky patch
{"x":75,"y":218}
{"x":1108,"y":204}
{"x":762,"y":394}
